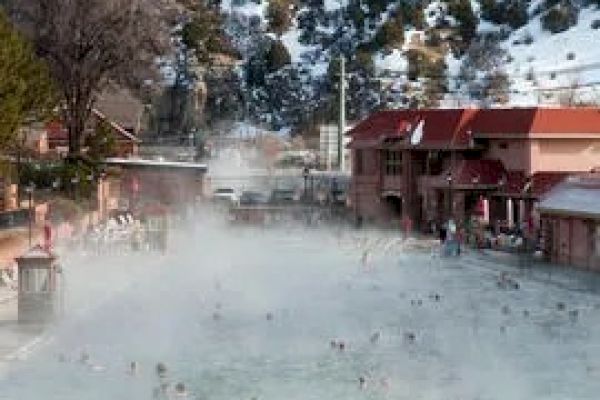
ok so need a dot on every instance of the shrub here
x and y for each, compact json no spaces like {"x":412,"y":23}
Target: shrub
{"x":528,"y":39}
{"x":462,"y":11}
{"x":595,"y":24}
{"x":277,"y":56}
{"x":560,"y":18}
{"x":279,"y":16}
{"x":390,"y":34}
{"x":570,"y":56}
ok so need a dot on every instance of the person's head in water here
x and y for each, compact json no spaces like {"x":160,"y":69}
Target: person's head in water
{"x":133,"y":367}
{"x":161,"y":369}
{"x":84,"y":358}
{"x":180,"y":388}
{"x":362,"y":382}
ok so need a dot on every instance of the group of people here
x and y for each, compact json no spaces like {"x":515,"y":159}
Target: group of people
{"x":165,"y":390}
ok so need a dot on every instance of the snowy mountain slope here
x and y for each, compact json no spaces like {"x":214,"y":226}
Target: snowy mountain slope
{"x":539,"y":67}
{"x":555,"y":61}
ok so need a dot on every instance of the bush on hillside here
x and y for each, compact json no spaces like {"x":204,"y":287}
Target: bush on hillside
{"x":560,"y":17}
{"x":511,"y":12}
{"x":277,"y":57}
{"x":412,"y":13}
{"x":279,"y":16}
{"x":391,"y":34}
{"x":462,"y":11}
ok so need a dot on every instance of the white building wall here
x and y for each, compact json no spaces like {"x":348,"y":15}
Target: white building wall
{"x":328,"y":143}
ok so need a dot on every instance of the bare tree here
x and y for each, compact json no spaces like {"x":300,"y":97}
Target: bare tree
{"x":91,"y":44}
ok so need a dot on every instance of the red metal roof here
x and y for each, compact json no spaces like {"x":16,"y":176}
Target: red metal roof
{"x":441,"y":126}
{"x":455,"y":126}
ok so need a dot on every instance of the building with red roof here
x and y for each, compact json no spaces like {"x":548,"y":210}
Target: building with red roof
{"x":127,"y":143}
{"x":430,"y":164}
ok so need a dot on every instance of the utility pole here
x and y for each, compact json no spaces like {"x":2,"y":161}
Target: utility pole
{"x":342,"y":114}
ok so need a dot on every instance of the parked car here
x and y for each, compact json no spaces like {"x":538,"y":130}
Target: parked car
{"x":283,"y":196}
{"x":251,"y":198}
{"x":225,"y":195}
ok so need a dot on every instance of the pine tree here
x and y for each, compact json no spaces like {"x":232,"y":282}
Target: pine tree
{"x":462,"y":11}
{"x":279,"y":16}
{"x":26,"y":89}
{"x":277,"y":56}
{"x":391,"y":34}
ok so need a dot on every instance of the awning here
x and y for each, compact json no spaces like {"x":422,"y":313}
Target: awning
{"x":472,"y":175}
{"x":518,"y":185}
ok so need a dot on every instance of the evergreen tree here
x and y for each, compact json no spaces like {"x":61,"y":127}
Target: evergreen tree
{"x":391,"y":34}
{"x":279,"y":16}
{"x":204,"y":34}
{"x":26,"y":89}
{"x":277,"y":56}
{"x":462,"y":11}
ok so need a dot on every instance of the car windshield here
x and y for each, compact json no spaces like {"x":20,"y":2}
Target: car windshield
{"x":224,"y":191}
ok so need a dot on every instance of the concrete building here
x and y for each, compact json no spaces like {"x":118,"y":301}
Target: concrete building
{"x":328,"y":148}
{"x":432,"y":164}
{"x":168,"y":183}
{"x":570,"y":217}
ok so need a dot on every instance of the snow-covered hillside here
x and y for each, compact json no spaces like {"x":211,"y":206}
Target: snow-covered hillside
{"x":414,"y":54}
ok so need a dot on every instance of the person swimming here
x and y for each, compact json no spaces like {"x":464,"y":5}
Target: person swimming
{"x":362,"y":382}
{"x":180,"y":390}
{"x":375,"y":337}
{"x":161,"y":370}
{"x":133,"y":368}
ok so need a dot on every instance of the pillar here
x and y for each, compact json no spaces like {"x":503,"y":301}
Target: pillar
{"x":522,"y":212}
{"x":486,"y":210}
{"x":509,"y":212}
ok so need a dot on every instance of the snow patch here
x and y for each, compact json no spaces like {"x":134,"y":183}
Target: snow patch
{"x":395,"y":61}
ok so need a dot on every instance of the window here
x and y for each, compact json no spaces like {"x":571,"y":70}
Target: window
{"x":35,"y":280}
{"x":393,"y":162}
{"x":358,"y":162}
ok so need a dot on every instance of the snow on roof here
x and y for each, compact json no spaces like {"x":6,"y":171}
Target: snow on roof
{"x":138,"y":162}
{"x":115,"y":126}
{"x":36,"y":252}
{"x":577,"y":196}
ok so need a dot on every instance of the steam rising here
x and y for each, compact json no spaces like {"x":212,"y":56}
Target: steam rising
{"x":152,"y":308}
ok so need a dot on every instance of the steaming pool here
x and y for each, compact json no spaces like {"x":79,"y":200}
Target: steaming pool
{"x":250,"y":314}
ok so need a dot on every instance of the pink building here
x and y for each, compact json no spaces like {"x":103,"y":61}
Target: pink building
{"x":432,"y":164}
{"x":570,"y":216}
